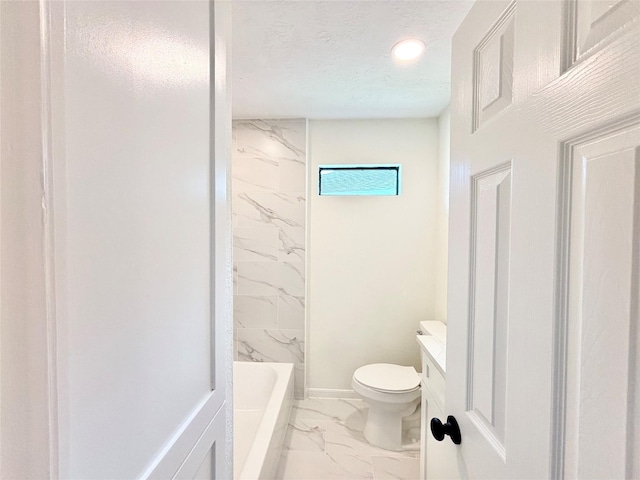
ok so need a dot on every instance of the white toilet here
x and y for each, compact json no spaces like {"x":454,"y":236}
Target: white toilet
{"x":391,"y":392}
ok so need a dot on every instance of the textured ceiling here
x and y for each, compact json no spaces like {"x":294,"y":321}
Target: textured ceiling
{"x":331,"y":59}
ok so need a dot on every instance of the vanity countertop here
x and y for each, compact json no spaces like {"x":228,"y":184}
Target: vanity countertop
{"x":436,"y":329}
{"x":434,"y":343}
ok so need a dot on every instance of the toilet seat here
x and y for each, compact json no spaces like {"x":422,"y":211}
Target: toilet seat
{"x":388,"y":378}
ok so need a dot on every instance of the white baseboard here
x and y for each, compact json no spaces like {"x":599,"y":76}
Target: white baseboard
{"x":330,"y":393}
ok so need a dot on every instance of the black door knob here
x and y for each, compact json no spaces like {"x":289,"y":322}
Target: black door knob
{"x":451,"y":428}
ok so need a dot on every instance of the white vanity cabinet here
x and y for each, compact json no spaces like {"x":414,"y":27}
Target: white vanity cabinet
{"x":437,"y":459}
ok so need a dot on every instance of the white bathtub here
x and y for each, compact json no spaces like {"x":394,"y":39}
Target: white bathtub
{"x":263,"y":398}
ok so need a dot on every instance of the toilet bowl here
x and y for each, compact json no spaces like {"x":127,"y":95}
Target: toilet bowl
{"x":391,"y":392}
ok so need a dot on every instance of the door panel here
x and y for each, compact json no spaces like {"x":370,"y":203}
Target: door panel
{"x":494,"y":323}
{"x":142,"y":248}
{"x":490,"y":210}
{"x":117,"y":258}
{"x":493,"y":68}
{"x":593,"y":24}
{"x":210,"y":448}
{"x":602,"y":313}
{"x":543,"y":275}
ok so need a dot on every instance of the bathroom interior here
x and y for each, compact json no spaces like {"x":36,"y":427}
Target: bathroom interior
{"x":343,"y":293}
{"x":118,"y":280}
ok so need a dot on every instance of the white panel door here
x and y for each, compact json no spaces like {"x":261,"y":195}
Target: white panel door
{"x":139,"y":159}
{"x":544,"y":282}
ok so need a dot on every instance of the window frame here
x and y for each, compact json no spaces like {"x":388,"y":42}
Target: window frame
{"x":361,"y":166}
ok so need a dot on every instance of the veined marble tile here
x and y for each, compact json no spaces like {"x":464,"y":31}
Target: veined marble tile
{"x":396,"y":468}
{"x":345,"y":439}
{"x":291,"y":244}
{"x":266,"y":209}
{"x":294,"y":130}
{"x":235,"y":277}
{"x":251,"y":311}
{"x":292,"y":174}
{"x":258,"y":345}
{"x":270,"y":278}
{"x":291,"y":279}
{"x":306,"y":435}
{"x":313,"y":420}
{"x":234,"y":138}
{"x":258,"y":278}
{"x":298,"y":380}
{"x":258,"y":244}
{"x":253,"y":174}
{"x":290,"y":311}
{"x":299,"y":465}
{"x":234,"y":210}
{"x":271,"y":138}
{"x":338,"y":410}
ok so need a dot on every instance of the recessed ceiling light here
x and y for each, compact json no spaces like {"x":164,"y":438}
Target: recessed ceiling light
{"x":408,"y":49}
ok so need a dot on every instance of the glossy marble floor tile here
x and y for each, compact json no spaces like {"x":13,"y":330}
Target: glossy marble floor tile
{"x":306,"y":435}
{"x":391,"y":468}
{"x":300,"y":465}
{"x":339,"y":410}
{"x":325,"y":440}
{"x":346,"y":440}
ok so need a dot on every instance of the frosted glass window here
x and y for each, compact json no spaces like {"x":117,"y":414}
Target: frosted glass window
{"x":342,"y":180}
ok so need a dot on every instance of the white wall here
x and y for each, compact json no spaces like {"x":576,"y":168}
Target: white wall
{"x":442,"y":215}
{"x":371,"y":264}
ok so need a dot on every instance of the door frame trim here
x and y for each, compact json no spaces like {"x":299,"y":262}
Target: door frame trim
{"x":48,"y":241}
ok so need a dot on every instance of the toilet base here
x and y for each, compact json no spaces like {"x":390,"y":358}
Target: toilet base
{"x":384,"y":424}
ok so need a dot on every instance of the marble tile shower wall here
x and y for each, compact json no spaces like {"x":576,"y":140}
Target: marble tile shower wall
{"x":269,"y":215}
